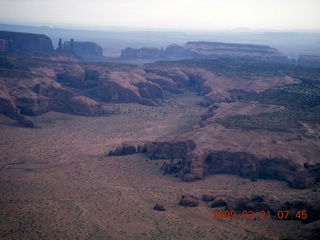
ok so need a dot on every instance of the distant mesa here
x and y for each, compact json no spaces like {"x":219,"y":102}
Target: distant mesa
{"x":24,"y":42}
{"x":208,"y":50}
{"x":309,"y":61}
{"x":39,"y":43}
{"x":144,"y":53}
{"x":86,"y":50}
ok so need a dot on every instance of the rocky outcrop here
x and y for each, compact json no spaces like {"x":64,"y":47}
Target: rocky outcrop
{"x":188,"y":178}
{"x":126,"y":149}
{"x":52,"y":98}
{"x":178,"y":149}
{"x":166,"y":83}
{"x":26,"y":121}
{"x":247,"y":165}
{"x":213,"y":50}
{"x":156,"y":150}
{"x":178,"y":52}
{"x":7,"y":106}
{"x":86,"y":50}
{"x":24,"y":42}
{"x":144,"y":53}
{"x":176,"y":75}
{"x":159,"y":207}
{"x":29,"y":86}
{"x":309,"y":61}
{"x":209,"y":50}
{"x":84,"y":106}
{"x":129,"y":85}
{"x":71,"y":75}
{"x":150,"y":90}
{"x":189,"y":201}
{"x":117,"y":92}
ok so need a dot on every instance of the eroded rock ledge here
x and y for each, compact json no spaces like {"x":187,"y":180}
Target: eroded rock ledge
{"x":164,"y":150}
{"x":208,"y":50}
{"x":198,"y":164}
{"x":248,"y":165}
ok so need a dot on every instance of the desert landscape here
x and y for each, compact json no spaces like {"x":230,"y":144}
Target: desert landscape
{"x":100,"y":150}
{"x":57,"y":182}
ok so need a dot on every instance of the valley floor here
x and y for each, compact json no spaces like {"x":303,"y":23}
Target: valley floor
{"x":56,"y":181}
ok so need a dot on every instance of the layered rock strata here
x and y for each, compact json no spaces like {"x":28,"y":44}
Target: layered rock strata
{"x":209,"y":50}
{"x":24,"y":42}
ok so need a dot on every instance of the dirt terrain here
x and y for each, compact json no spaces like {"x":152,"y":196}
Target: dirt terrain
{"x":219,"y":134}
{"x":57,"y":182}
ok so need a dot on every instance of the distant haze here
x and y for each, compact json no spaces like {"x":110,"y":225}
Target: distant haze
{"x":165,"y":14}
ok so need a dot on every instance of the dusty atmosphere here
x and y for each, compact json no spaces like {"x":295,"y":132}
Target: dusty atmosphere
{"x":86,"y":195}
{"x":215,"y":141}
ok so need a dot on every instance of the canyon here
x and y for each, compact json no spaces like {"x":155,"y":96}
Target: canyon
{"x":240,"y":129}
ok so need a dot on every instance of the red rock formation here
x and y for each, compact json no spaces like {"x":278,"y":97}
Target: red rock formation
{"x":117,"y":92}
{"x":188,"y":178}
{"x":26,"y":121}
{"x":166,"y":83}
{"x":84,"y":106}
{"x":170,"y":149}
{"x":24,"y":42}
{"x":35,"y":90}
{"x":129,"y":84}
{"x":189,"y":201}
{"x":71,"y":75}
{"x":159,"y":207}
{"x":144,"y":53}
{"x":7,"y":106}
{"x":150,"y":90}
{"x":208,"y":197}
{"x":213,"y":50}
{"x":209,"y":50}
{"x":124,"y":149}
{"x":175,"y":74}
{"x":86,"y":50}
{"x":247,"y":165}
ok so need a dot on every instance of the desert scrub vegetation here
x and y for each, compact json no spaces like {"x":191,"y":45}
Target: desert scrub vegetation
{"x":301,"y":100}
{"x":278,"y":121}
{"x":292,"y":96}
{"x":246,"y":68}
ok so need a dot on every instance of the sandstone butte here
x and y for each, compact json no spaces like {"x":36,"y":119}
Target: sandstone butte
{"x":33,"y":84}
{"x":208,"y":50}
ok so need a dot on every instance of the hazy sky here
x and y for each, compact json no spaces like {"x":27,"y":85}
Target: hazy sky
{"x":174,"y":14}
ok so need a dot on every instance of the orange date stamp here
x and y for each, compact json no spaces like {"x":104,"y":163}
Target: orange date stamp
{"x":262,"y":215}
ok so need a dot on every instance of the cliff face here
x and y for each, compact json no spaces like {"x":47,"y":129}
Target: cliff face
{"x":209,"y":50}
{"x":24,"y":42}
{"x":84,"y":49}
{"x":244,"y":137}
{"x":146,"y":53}
{"x":248,"y":165}
{"x":28,"y":86}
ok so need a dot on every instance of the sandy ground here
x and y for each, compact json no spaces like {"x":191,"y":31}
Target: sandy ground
{"x":56,"y":181}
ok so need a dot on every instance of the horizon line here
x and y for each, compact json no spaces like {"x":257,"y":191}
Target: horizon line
{"x":136,"y":29}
